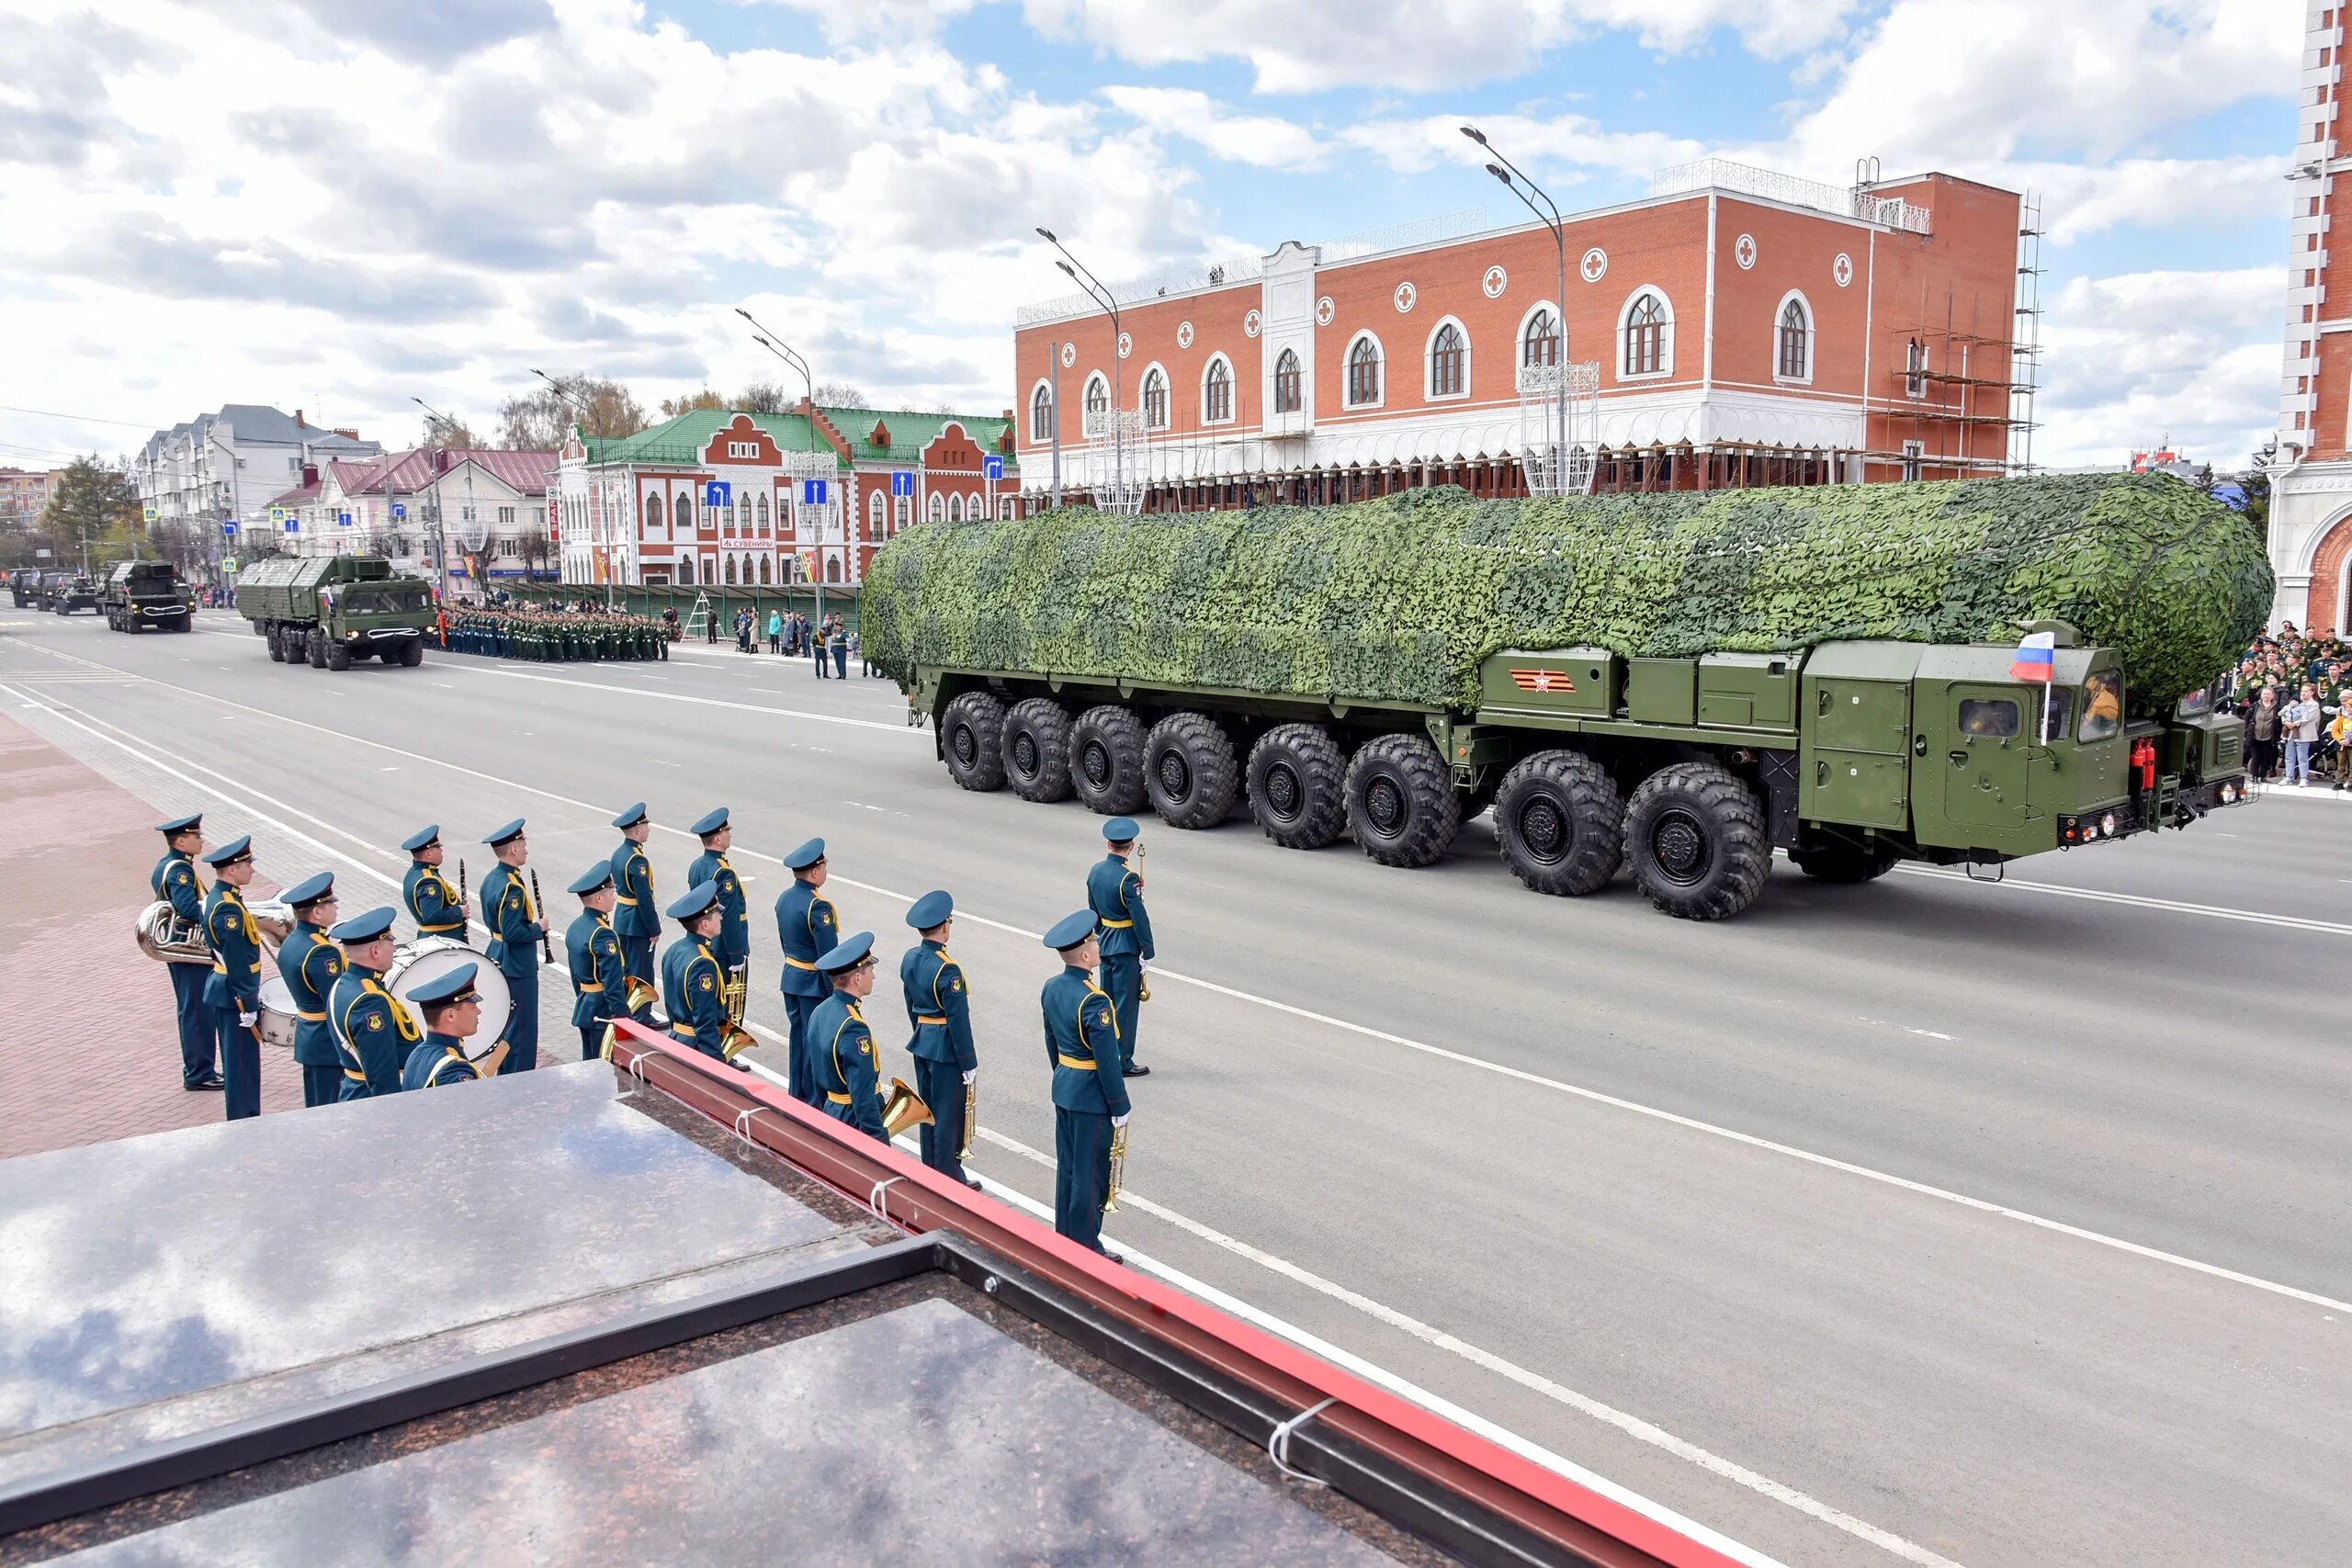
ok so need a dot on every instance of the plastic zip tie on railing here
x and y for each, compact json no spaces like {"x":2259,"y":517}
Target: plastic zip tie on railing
{"x":1278,"y":1443}
{"x":874,"y":1202}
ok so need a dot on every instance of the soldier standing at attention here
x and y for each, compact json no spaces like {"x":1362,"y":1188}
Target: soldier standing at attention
{"x":452,"y":1011}
{"x":174,"y":881}
{"x":311,"y":965}
{"x":734,"y":945}
{"x":1114,"y":892}
{"x":1089,"y":1101}
{"x":234,"y":991}
{"x":691,"y":979}
{"x":637,"y":918}
{"x":807,"y":927}
{"x":599,"y":983}
{"x":432,"y":903}
{"x":848,"y":1081}
{"x":516,"y":930}
{"x":374,"y":1031}
{"x":941,"y":1012}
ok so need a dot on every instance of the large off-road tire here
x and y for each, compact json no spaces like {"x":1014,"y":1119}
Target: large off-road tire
{"x":412,"y":653}
{"x":1844,"y":862}
{"x":1106,"y":761}
{"x":277,"y":646}
{"x":1190,"y":771}
{"x":1401,"y":805}
{"x":1036,"y":750}
{"x":338,"y":655}
{"x":971,"y":738}
{"x":1560,"y":823}
{"x":1695,"y":834}
{"x":1297,"y":784}
{"x":315,"y":648}
{"x":183,"y":621}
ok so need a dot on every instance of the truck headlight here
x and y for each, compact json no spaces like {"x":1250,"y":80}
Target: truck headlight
{"x":2106,"y":826}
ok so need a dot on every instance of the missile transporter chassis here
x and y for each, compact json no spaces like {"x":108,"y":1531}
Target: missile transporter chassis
{"x":327,"y":611}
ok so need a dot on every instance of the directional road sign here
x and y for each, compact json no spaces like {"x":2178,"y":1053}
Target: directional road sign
{"x":715,"y":492}
{"x":293,"y":524}
{"x":400,"y":510}
{"x":230,"y":529}
{"x":994,"y":467}
{"x":902,"y":482}
{"x":813,"y":492}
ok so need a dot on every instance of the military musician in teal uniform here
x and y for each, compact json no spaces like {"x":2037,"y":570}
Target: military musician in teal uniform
{"x":939,"y":1010}
{"x":374,"y":1031}
{"x":637,"y":918}
{"x":848,"y":1079}
{"x":693,"y":985}
{"x":175,"y":883}
{"x":1089,"y":1101}
{"x":809,"y":928}
{"x":599,"y":982}
{"x":515,"y":932}
{"x":310,"y":964}
{"x":452,"y":1011}
{"x":234,"y":993}
{"x":733,"y":946}
{"x":437,"y":907}
{"x":1114,"y":892}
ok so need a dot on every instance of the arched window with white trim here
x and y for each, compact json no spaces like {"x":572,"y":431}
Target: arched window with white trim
{"x":1154,"y":401}
{"x":1645,"y":334}
{"x":1287,"y":399}
{"x":906,"y":510}
{"x":654,"y":509}
{"x":683,"y":511}
{"x":1217,"y":390}
{"x":954,"y":509}
{"x":1792,"y":340}
{"x":763,"y":571}
{"x":1041,"y":413}
{"x":938,"y":507}
{"x":877,"y":509}
{"x":1363,"y":371}
{"x":1539,"y":337}
{"x":762,"y":504}
{"x":1098,"y":405}
{"x":1449,"y":361}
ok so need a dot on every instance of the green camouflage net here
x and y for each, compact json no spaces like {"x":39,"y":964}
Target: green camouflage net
{"x":1399,"y":599}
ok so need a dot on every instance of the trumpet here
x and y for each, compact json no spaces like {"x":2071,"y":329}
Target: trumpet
{"x":971,"y":1118}
{"x":735,"y":992}
{"x":903,"y":1109}
{"x":1118,"y":1170}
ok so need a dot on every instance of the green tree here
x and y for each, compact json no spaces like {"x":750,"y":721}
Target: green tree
{"x":93,"y":514}
{"x":691,"y":402}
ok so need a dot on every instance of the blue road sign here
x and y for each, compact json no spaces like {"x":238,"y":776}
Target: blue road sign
{"x":813,"y":492}
{"x":229,"y":528}
{"x":993,"y":467}
{"x":293,"y":526}
{"x":400,"y":510}
{"x":902,"y":482}
{"x":715,"y":492}
{"x":344,"y":518}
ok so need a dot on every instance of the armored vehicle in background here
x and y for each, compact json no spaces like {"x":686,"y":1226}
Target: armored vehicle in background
{"x":62,"y":593}
{"x":329,"y":610}
{"x":144,"y":594}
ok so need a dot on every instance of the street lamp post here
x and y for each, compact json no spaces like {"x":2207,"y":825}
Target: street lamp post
{"x":579,"y":417}
{"x":1502,"y":170}
{"x":782,"y":351}
{"x":1096,"y":292}
{"x":433,"y":422}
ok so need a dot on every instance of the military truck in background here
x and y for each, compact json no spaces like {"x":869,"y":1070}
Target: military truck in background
{"x":144,"y":594}
{"x":24,"y":586}
{"x":329,"y":610}
{"x":62,"y":593}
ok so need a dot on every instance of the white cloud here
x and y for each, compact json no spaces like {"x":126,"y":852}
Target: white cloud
{"x":2188,"y":356}
{"x":1266,"y":141}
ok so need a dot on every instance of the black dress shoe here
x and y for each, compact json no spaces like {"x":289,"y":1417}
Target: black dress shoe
{"x":973,"y":1182}
{"x":1109,"y":1257}
{"x":1135,"y":1070}
{"x":212,"y":1082}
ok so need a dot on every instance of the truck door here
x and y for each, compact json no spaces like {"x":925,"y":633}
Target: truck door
{"x":1987,"y":731}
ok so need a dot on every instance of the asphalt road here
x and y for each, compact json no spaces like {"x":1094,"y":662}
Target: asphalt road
{"x":1922,"y":1221}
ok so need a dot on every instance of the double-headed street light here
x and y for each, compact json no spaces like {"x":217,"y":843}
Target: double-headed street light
{"x":579,"y":415}
{"x":434,"y":421}
{"x":1503,"y":169}
{"x":1100,"y":294}
{"x":777,"y":346}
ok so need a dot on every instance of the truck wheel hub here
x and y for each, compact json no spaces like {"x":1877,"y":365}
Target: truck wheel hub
{"x":1679,"y":843}
{"x":1385,"y":803}
{"x":1094,"y":761}
{"x":1282,"y":791}
{"x":1024,"y":755}
{"x":966,"y":752}
{"x":1544,"y":830}
{"x":1175,"y":774}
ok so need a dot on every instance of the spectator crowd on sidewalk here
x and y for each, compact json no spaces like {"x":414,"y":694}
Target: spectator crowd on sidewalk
{"x":2295,"y":690}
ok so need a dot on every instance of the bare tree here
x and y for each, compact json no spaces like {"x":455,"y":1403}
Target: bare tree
{"x":691,"y":403}
{"x":538,"y":422}
{"x":453,"y":433}
{"x":763,"y":397}
{"x":841,"y":395}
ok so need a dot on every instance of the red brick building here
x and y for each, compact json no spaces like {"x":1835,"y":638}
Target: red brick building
{"x":1748,"y":329}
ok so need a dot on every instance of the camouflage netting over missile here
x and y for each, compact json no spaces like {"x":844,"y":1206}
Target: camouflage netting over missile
{"x":1399,"y":599}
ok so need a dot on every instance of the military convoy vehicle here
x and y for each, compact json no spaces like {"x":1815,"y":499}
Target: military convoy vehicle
{"x":144,"y":594}
{"x":62,"y":593}
{"x":24,"y":586}
{"x":329,"y":610}
{"x":1051,"y":654}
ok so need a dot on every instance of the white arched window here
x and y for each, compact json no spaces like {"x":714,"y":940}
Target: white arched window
{"x":1217,"y":390}
{"x":1287,"y":390}
{"x":1154,"y":401}
{"x":954,"y":509}
{"x":653,"y":511}
{"x":877,"y":509}
{"x":1645,"y":334}
{"x":730,"y":516}
{"x":684,"y":509}
{"x":1363,"y":372}
{"x":906,"y":510}
{"x":763,"y":571}
{"x":1098,"y":405}
{"x":1449,"y":361}
{"x":687,"y":570}
{"x":1041,"y":413}
{"x":1539,"y":337}
{"x":762,"y":504}
{"x":1792,"y":340}
{"x":938,"y":507}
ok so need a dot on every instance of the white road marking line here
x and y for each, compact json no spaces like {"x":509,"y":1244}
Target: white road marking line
{"x":1931,"y":1033}
{"x":2143,"y":900}
{"x":1441,"y":1052}
{"x":704,"y":701}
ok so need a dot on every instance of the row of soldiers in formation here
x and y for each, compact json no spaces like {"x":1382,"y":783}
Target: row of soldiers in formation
{"x":524,"y":632}
{"x":355,"y":1039}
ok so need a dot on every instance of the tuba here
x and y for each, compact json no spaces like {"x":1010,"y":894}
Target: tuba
{"x":638,"y":995}
{"x":734,"y":1041}
{"x":165,"y":938}
{"x":903,"y":1109}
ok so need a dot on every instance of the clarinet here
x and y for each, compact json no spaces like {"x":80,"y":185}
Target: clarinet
{"x":539,"y":906}
{"x":465,"y":902}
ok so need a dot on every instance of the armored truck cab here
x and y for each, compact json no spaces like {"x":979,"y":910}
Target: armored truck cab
{"x":144,"y":594}
{"x":329,"y":610}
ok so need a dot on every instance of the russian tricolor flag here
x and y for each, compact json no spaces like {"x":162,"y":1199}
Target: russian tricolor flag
{"x":2037,"y":658}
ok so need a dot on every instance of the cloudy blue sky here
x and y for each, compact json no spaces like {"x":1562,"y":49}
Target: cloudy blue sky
{"x":342,"y":204}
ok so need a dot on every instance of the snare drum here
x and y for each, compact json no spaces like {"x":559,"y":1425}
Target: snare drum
{"x":278,"y":1018}
{"x":428,"y":957}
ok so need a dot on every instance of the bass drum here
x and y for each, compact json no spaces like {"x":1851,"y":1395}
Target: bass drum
{"x":278,"y":1019}
{"x":428,"y":957}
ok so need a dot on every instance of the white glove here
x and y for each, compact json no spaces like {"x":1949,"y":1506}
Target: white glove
{"x":1120,"y":1120}
{"x":247,"y":1020}
{"x":970,"y":1076}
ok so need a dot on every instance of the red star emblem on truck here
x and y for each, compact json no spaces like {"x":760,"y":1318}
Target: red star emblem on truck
{"x":1541,"y":680}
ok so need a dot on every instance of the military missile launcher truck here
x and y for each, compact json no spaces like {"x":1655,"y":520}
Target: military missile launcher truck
{"x":329,"y":610}
{"x":1302,"y":662}
{"x":144,"y":594}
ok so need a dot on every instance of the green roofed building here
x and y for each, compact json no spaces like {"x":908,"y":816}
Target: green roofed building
{"x":728,"y":498}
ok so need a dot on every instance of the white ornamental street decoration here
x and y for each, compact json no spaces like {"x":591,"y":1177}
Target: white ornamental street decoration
{"x":1250,"y":324}
{"x":1743,"y":251}
{"x":1325,"y":311}
{"x":1183,"y":334}
{"x":1126,"y":345}
{"x":1495,"y":282}
{"x":1595,"y":266}
{"x":1842,"y":269}
{"x":1070,"y":354}
{"x":1407,"y":296}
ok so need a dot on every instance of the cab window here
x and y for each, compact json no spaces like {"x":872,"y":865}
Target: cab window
{"x":2197,"y":702}
{"x":2102,"y":705}
{"x":2060,"y":714}
{"x":1988,"y":718}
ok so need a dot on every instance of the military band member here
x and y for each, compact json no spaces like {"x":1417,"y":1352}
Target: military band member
{"x":940,"y":1011}
{"x":175,"y":882}
{"x":1089,"y":1101}
{"x":692,"y":984}
{"x":637,"y":918}
{"x":516,"y":930}
{"x":310,"y":964}
{"x":848,"y":1079}
{"x":1114,"y":892}
{"x":374,"y":1031}
{"x":809,"y":928}
{"x":734,"y":945}
{"x":234,"y":993}
{"x":431,"y":902}
{"x":599,"y":983}
{"x":452,"y":1011}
